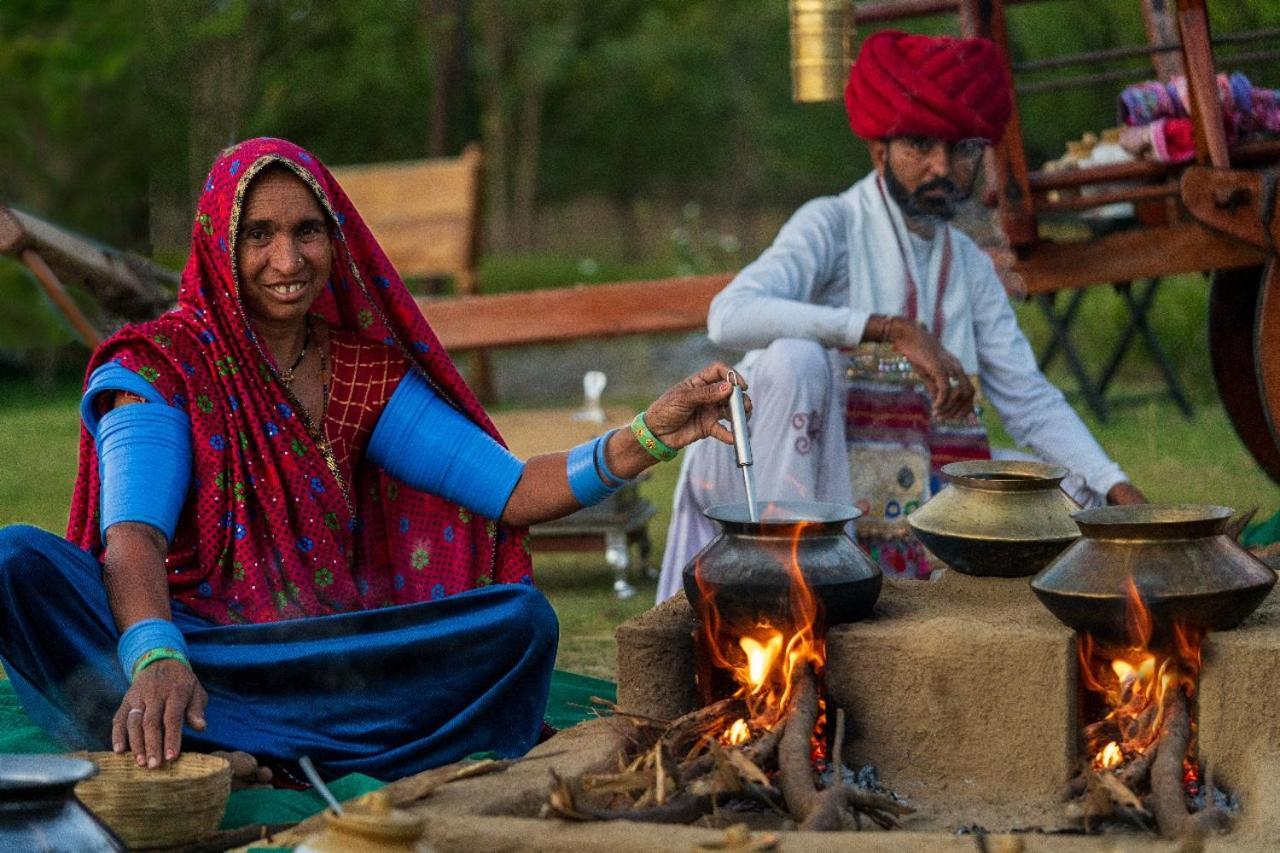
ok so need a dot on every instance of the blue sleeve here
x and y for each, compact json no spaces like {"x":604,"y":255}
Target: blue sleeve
{"x":113,"y":377}
{"x":430,"y":445}
{"x":144,"y":465}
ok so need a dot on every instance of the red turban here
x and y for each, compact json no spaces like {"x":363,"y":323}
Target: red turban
{"x":936,"y":86}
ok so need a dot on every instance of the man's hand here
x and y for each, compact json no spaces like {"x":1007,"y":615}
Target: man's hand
{"x":1125,"y":493}
{"x":944,"y":377}
{"x":150,"y":718}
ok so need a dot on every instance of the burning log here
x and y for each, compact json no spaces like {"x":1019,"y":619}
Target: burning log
{"x":816,"y":810}
{"x":1142,"y":765}
{"x":1168,"y":798}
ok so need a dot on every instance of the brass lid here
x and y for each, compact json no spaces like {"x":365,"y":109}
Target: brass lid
{"x":373,"y":817}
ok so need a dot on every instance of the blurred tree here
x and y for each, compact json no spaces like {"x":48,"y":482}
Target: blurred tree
{"x":525,"y":48}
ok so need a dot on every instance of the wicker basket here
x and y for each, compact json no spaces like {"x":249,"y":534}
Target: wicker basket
{"x":166,"y":807}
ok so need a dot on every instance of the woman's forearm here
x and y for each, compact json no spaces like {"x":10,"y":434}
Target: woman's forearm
{"x":543,"y":492}
{"x":134,"y":573}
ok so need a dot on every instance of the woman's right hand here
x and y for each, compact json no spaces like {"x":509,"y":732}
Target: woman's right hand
{"x":149,"y":721}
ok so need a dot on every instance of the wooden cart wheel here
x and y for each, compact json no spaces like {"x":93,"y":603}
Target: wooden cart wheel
{"x":1244,"y":351}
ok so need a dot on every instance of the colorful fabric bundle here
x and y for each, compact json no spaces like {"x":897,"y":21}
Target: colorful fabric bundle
{"x":896,"y":453}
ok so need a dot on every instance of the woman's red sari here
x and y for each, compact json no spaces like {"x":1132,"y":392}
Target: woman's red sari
{"x":271,"y":529}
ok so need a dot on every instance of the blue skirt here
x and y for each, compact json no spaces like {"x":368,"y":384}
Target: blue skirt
{"x":388,"y":692}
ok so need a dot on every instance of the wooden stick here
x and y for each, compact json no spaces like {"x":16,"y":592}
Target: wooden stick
{"x":816,"y":810}
{"x":1168,"y":800}
{"x":60,"y":298}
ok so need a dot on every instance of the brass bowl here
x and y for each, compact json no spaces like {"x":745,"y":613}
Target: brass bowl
{"x":999,"y":518}
{"x":1183,"y":565}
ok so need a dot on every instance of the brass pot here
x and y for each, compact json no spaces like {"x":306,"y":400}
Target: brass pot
{"x":1183,"y":565}
{"x":1003,"y":519}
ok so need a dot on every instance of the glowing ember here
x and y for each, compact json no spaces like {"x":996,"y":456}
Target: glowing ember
{"x":763,"y":658}
{"x":1134,"y":683}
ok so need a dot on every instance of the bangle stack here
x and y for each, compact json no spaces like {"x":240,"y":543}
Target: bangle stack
{"x":149,"y":641}
{"x":590,"y":479}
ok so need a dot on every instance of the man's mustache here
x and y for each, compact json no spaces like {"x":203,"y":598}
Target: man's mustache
{"x":944,"y":184}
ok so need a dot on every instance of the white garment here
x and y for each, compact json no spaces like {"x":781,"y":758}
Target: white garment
{"x":836,"y":262}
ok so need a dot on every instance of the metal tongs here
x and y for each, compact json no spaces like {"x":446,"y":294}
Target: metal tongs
{"x":742,"y":442}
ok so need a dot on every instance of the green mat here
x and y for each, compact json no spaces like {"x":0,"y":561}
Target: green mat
{"x":568,"y":705}
{"x":1266,"y":532}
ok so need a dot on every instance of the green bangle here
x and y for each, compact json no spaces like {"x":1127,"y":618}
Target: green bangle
{"x":651,"y":442}
{"x":158,"y":654}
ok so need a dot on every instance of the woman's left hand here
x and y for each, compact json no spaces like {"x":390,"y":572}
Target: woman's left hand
{"x":694,"y":408}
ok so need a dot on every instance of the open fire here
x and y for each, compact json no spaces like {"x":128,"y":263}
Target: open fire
{"x":1141,"y":746}
{"x":760,"y":741}
{"x":765,"y":659}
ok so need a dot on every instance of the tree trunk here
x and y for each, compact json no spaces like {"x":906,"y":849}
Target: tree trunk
{"x":493,"y":122}
{"x":222,"y":74}
{"x":444,"y":41}
{"x":528,"y":150}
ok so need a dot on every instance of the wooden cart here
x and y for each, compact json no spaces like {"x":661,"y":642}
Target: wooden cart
{"x":1216,"y":215}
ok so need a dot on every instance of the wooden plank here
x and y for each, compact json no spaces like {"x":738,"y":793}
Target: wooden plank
{"x":424,"y":213}
{"x":1102,"y":198}
{"x":1206,"y":109}
{"x":571,"y":313}
{"x":1150,"y":252}
{"x":1229,"y":200}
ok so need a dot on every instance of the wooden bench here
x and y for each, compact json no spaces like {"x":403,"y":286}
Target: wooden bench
{"x":426,"y":216}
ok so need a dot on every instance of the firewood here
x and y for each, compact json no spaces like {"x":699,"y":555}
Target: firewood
{"x":814,"y":809}
{"x":864,"y":800}
{"x":617,"y":783}
{"x":1168,"y":800}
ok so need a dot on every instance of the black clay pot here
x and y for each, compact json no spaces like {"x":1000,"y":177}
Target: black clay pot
{"x":745,"y":568}
{"x":39,"y":811}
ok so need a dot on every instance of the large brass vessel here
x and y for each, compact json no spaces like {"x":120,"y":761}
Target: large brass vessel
{"x":1183,"y":565}
{"x":998,"y":518}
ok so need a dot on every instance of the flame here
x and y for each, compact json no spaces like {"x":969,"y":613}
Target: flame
{"x":1135,"y":682}
{"x":763,"y":658}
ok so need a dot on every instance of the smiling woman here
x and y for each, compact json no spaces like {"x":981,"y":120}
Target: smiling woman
{"x":295,"y":531}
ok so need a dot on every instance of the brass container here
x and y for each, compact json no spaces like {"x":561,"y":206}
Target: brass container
{"x":1003,"y":519}
{"x":371,"y":824}
{"x":1183,"y":565}
{"x":821,"y":33}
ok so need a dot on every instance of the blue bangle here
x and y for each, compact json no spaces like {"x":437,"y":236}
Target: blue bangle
{"x":584,"y":480}
{"x":428,"y":444}
{"x":144,"y":636}
{"x":144,"y":466}
{"x":611,"y":479}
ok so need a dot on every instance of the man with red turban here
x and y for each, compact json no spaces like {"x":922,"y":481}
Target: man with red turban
{"x":869,"y":319}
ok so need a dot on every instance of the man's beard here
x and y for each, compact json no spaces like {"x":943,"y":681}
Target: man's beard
{"x":920,"y":204}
